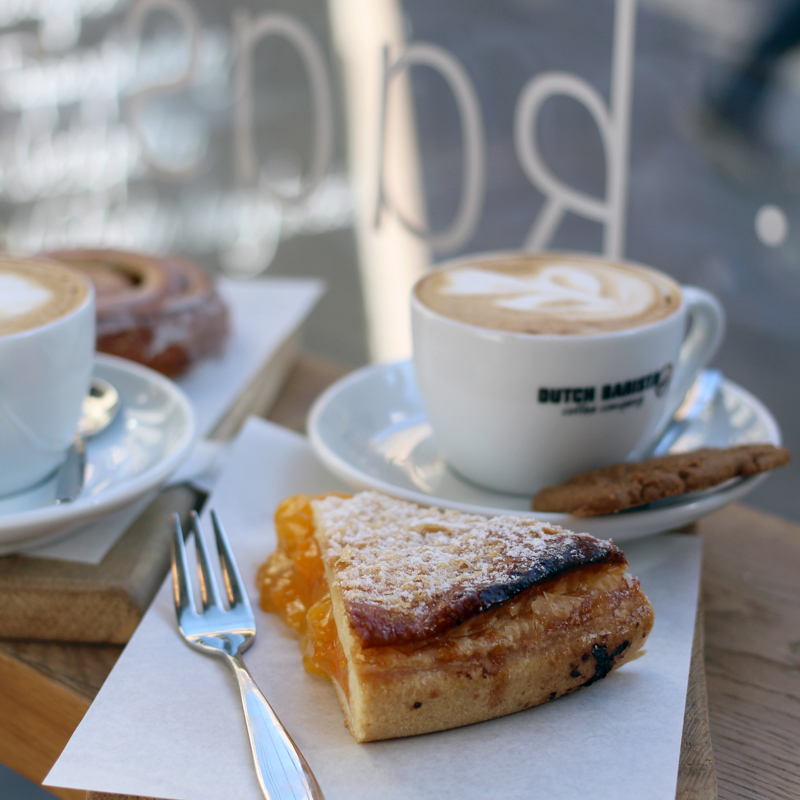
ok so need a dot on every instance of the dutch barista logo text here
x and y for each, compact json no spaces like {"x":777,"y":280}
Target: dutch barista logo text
{"x":613,"y":395}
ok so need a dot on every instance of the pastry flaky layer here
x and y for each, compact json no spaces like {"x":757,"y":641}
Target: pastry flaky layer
{"x":427,"y":619}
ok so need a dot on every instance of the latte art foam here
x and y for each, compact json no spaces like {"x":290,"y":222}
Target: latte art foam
{"x":19,"y":295}
{"x":552,"y":294}
{"x":36,"y":292}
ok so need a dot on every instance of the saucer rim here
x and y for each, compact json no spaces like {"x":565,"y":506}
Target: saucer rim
{"x":25,"y":528}
{"x":657,"y":519}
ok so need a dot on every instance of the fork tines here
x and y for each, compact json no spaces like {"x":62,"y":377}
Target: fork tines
{"x":209,"y":591}
{"x":281,"y":769}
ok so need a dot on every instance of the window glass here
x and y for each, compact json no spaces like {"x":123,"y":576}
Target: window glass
{"x":364,"y":141}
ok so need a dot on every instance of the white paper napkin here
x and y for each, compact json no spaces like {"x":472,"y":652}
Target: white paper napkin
{"x":167,"y":722}
{"x":264,"y":313}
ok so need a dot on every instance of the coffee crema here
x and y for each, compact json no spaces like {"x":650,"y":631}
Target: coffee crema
{"x":550,"y":293}
{"x":36,"y":292}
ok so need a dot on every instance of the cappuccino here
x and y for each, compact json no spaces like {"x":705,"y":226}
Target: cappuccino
{"x":34,"y":293}
{"x":550,"y":293}
{"x":566,"y":362}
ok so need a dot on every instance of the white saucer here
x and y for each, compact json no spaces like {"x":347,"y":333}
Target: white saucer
{"x":139,"y":450}
{"x":370,"y":430}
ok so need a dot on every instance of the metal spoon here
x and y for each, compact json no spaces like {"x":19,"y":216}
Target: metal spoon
{"x":99,"y":408}
{"x":700,"y":395}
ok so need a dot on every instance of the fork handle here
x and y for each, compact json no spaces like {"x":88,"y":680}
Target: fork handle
{"x":283,"y":773}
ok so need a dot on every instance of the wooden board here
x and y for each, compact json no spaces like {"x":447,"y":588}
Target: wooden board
{"x":55,"y":600}
{"x":751,"y":595}
{"x":38,"y":717}
{"x":697,"y":775}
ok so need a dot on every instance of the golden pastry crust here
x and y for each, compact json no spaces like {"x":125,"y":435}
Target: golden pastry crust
{"x":498,"y":669}
{"x":535,"y":611}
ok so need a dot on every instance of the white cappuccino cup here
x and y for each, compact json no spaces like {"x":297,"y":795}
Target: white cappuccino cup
{"x":47,"y":344}
{"x":533,"y":368}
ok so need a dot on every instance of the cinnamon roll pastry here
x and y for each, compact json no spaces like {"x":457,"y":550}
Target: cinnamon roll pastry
{"x":164,"y":313}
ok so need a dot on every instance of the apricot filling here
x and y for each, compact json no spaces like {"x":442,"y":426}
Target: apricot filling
{"x":292,"y":584}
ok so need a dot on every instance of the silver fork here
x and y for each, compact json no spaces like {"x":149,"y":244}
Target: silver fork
{"x":282,"y":771}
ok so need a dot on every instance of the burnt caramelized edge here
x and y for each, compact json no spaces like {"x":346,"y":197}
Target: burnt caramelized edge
{"x":377,"y":627}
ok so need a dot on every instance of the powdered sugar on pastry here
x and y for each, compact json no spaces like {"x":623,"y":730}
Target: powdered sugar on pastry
{"x":406,"y":572}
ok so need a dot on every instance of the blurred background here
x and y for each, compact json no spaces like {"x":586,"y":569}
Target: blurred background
{"x":363,"y":141}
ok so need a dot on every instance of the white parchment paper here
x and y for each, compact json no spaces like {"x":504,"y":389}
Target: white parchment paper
{"x":264,"y":314}
{"x":167,"y":722}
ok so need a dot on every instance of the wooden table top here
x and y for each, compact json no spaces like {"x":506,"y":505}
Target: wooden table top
{"x":751,"y":603}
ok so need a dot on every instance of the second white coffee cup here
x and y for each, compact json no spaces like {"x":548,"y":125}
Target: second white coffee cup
{"x":513,"y":410}
{"x":47,"y":346}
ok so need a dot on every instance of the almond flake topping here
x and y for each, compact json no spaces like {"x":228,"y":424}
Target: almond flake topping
{"x":406,"y":572}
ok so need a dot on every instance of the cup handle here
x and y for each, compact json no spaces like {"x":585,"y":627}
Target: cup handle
{"x":705,"y":330}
